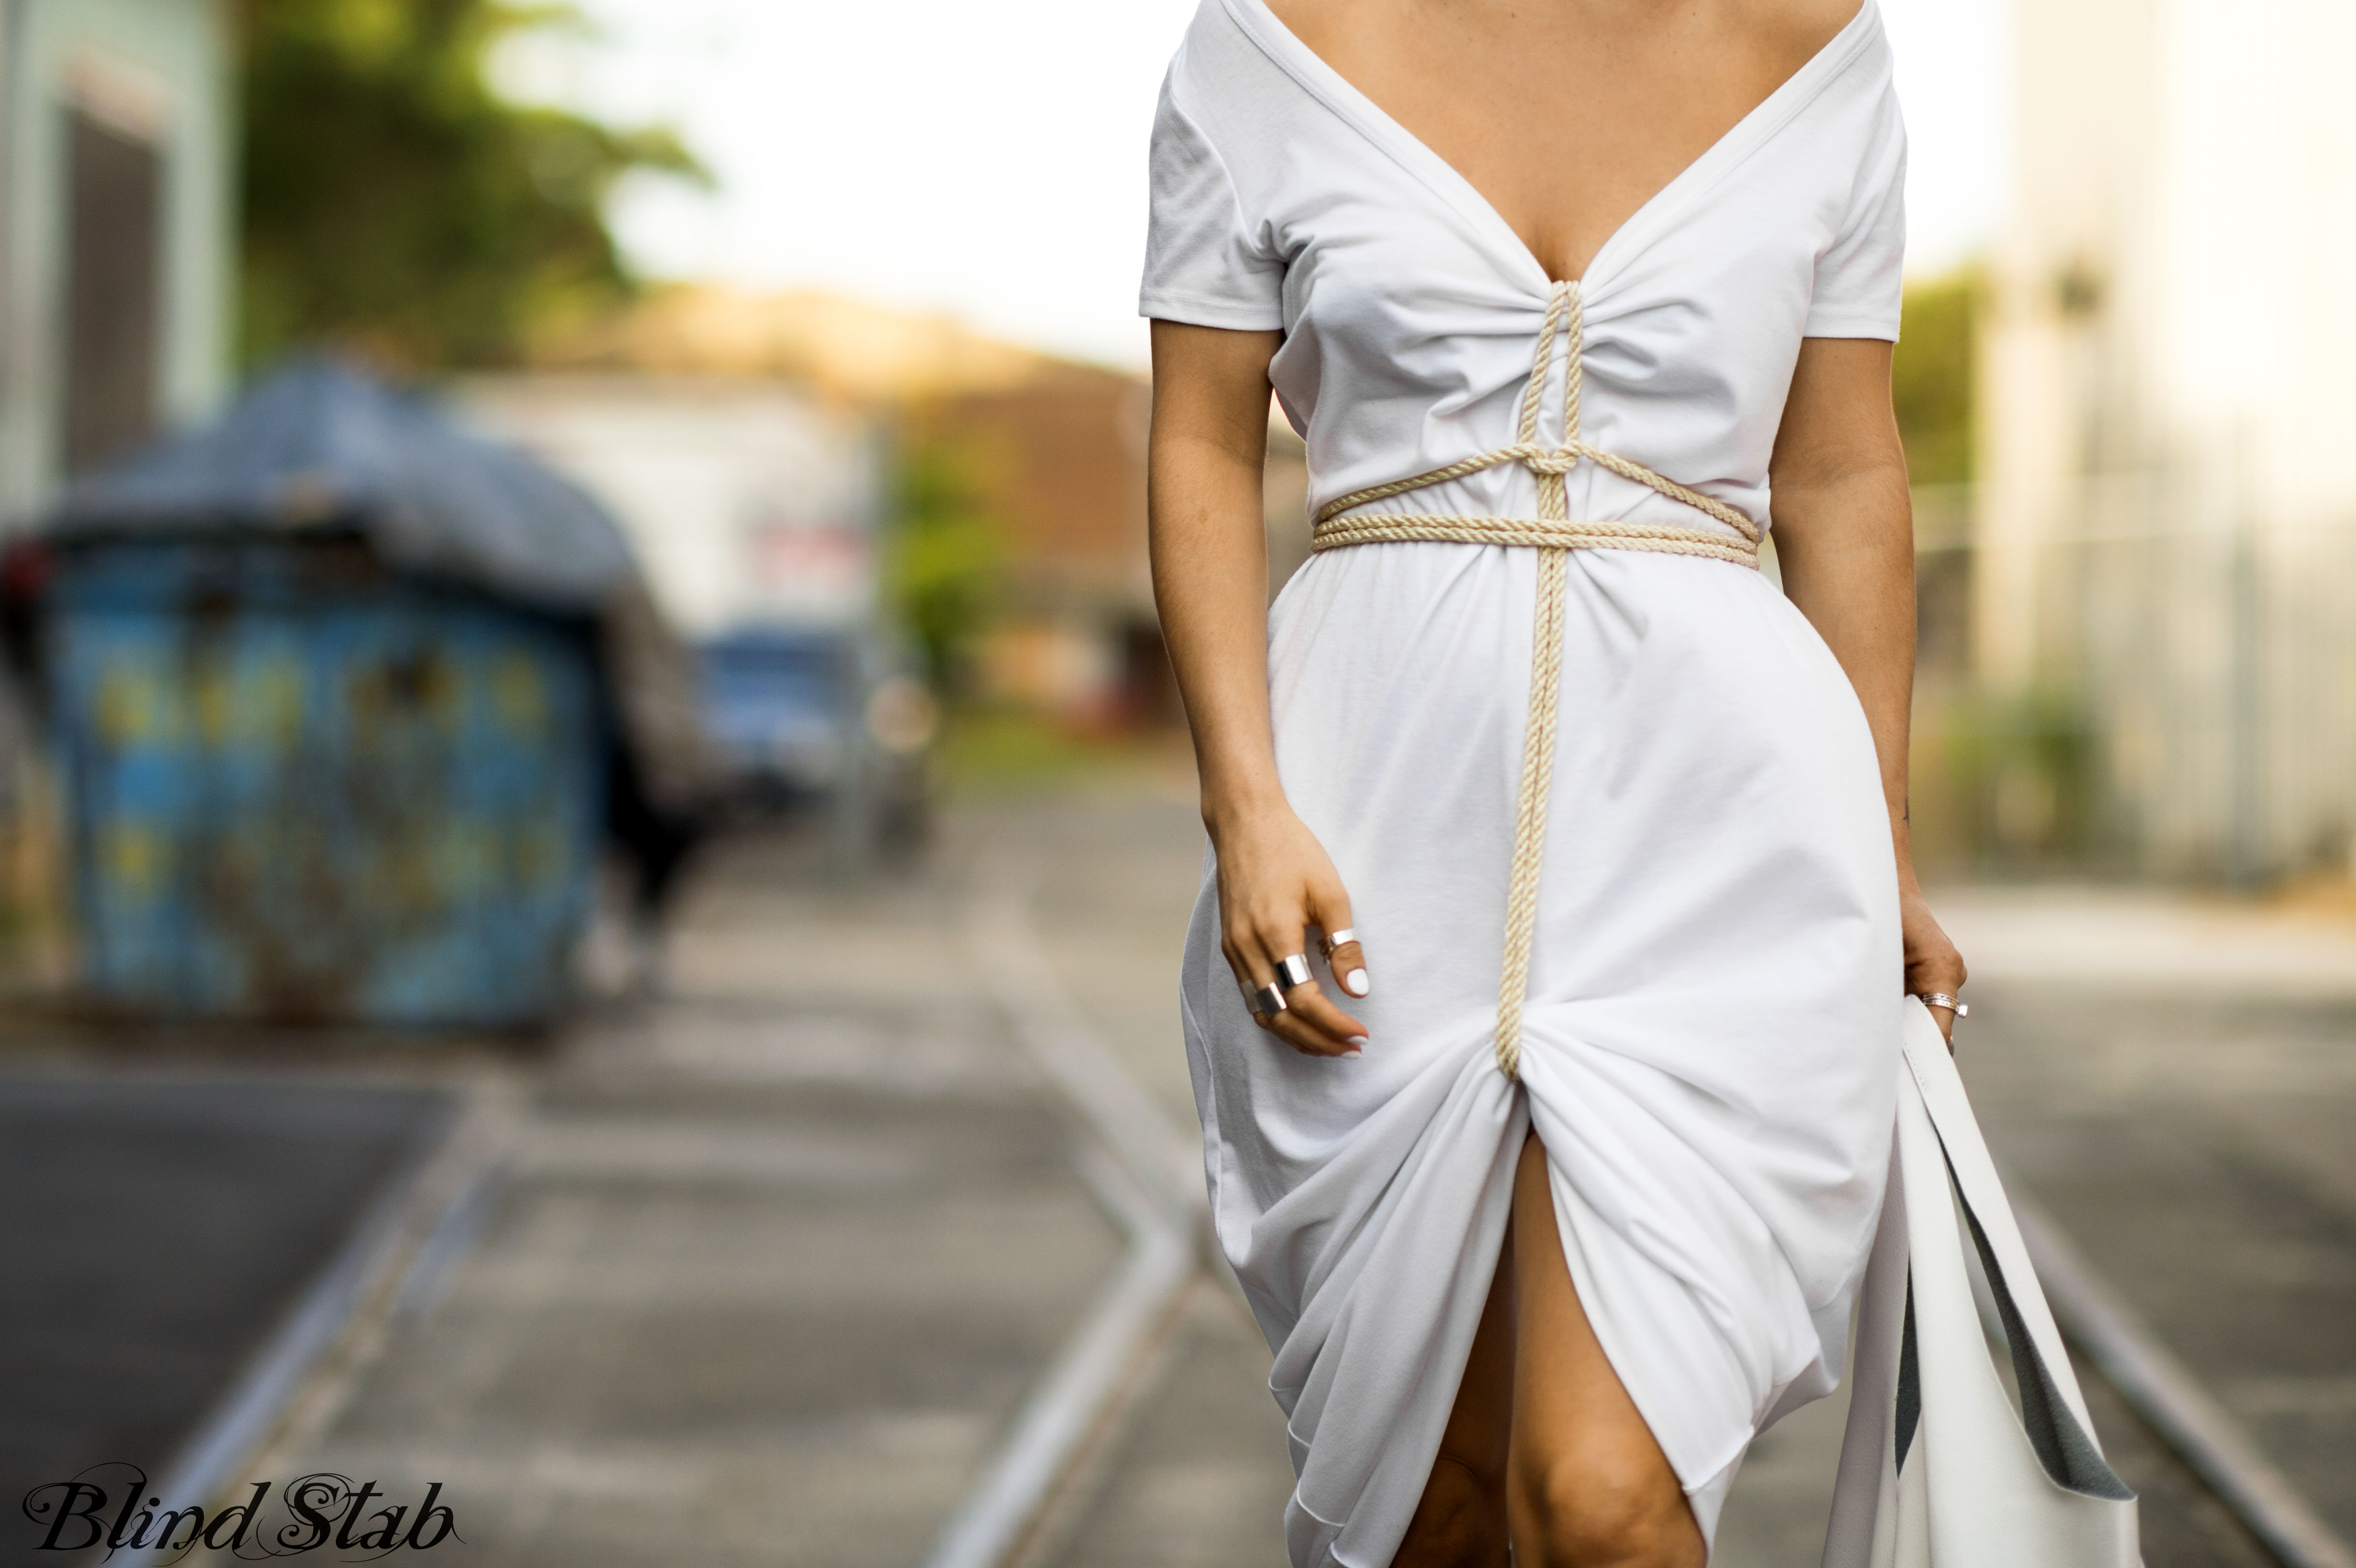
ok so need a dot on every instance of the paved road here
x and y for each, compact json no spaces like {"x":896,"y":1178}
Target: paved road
{"x":157,"y":1221}
{"x":778,"y":1256}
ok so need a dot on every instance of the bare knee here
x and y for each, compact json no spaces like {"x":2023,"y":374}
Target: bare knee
{"x":1567,"y":1514}
{"x":1460,"y":1523}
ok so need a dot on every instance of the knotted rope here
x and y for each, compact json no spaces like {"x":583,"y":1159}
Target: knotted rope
{"x":1554,"y":536}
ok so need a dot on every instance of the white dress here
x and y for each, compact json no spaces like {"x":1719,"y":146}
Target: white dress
{"x":1710,"y":1044}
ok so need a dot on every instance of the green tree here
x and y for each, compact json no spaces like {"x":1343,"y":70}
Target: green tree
{"x":1932,"y":377}
{"x":394,"y":203}
{"x":947,"y":562}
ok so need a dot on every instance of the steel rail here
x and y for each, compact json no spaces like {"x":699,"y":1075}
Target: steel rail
{"x":1135,"y":1163}
{"x":2164,"y":1392}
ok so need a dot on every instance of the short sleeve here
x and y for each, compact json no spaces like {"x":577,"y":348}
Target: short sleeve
{"x":1201,"y":264}
{"x":1859,"y":277}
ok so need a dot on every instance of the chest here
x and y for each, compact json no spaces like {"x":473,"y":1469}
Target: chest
{"x":1564,"y":124}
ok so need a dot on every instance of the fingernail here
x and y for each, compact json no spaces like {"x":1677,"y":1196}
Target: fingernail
{"x":1359,"y":1043}
{"x":1354,"y":982}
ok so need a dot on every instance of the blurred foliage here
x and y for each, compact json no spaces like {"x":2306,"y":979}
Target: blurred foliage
{"x":396,"y":206}
{"x":2021,"y":770}
{"x":944,"y":569}
{"x":1006,"y":748}
{"x":1932,"y":377}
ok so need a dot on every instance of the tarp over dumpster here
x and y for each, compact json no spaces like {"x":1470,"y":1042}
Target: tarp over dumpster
{"x":343,"y":700}
{"x":316,"y":444}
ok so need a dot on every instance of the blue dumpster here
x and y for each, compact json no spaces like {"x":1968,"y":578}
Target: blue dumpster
{"x":301,"y":788}
{"x":332,"y":745}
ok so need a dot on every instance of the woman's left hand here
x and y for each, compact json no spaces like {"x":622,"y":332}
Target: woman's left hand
{"x":1932,"y":961}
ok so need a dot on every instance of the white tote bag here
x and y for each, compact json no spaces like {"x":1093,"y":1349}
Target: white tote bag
{"x":1937,"y":1470}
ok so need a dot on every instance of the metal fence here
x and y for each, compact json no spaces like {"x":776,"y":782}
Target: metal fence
{"x":2191,"y":708}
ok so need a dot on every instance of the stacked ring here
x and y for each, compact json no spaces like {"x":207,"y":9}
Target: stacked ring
{"x":1941,"y":999}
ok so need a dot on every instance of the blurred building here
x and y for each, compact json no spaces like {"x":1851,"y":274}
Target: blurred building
{"x":1051,"y":451}
{"x":2166,"y":577}
{"x":117,"y":273}
{"x":750,"y":501}
{"x":116,"y":229}
{"x":1057,"y":463}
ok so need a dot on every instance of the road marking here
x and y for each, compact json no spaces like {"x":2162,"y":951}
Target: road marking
{"x":1135,"y":1162}
{"x":2143,"y":1371}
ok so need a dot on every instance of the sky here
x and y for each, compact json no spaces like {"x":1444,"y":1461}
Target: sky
{"x":988,"y":161}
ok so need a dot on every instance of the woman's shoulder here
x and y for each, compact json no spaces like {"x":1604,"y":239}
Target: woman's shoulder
{"x":1230,"y":83}
{"x":1220,"y":63}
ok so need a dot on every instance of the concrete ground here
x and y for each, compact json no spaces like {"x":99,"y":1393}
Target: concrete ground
{"x":2176,"y":1081}
{"x":778,"y":1255}
{"x":775,"y":1261}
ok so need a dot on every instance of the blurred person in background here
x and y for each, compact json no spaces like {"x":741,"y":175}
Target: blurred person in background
{"x":663,"y":772}
{"x":1539,"y":1258}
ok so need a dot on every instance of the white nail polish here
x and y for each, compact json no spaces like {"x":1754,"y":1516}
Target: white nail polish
{"x":1361,"y":1042}
{"x":1354,"y":982}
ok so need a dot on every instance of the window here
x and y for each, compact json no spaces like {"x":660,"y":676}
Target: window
{"x":114,"y":288}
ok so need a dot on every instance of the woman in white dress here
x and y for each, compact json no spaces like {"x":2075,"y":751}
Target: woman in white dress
{"x":1542,"y":996}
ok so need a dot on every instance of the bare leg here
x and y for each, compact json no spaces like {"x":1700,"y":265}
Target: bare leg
{"x":1460,"y":1523}
{"x":1543,"y":1440}
{"x":1586,"y":1484}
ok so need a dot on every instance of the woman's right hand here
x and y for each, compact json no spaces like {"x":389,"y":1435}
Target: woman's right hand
{"x":1207,"y":531}
{"x":1276,"y":881}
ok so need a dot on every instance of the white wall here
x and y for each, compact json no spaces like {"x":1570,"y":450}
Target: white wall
{"x":167,"y":61}
{"x":748,"y":502}
{"x":2168,"y":522}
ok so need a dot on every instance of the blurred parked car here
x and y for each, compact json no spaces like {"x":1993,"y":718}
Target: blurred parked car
{"x":831,"y":720}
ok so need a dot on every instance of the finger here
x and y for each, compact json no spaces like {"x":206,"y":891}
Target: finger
{"x":1946,"y":1019}
{"x":1945,"y":973}
{"x":1310,"y":1006}
{"x":1928,"y":980}
{"x":1287,"y":1027}
{"x":1347,"y":958}
{"x":1240,"y":950}
{"x":1272,"y":936}
{"x":1241,"y":970}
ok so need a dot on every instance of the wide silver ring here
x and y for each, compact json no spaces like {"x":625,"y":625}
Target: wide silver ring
{"x":1292,"y":971}
{"x":1941,"y":999}
{"x":1338,"y":938}
{"x":1269,"y":999}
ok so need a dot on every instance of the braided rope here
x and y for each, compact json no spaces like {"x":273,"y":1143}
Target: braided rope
{"x":1543,"y":461}
{"x":1554,"y":536}
{"x":1420,"y":528}
{"x":1561,"y":303}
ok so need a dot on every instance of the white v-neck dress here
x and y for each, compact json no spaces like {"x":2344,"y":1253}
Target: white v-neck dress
{"x":1711,"y":1045}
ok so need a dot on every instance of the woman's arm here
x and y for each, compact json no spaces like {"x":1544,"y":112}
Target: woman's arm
{"x":1210,"y":580}
{"x":1845,"y":539}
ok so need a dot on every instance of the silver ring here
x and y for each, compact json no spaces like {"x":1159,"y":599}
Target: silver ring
{"x":1941,"y":999}
{"x":1337,"y":938}
{"x":1292,"y":971}
{"x":1271,"y":1000}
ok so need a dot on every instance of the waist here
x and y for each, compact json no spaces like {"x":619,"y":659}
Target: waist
{"x":1342,"y":532}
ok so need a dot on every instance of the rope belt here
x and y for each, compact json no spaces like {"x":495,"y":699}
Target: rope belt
{"x":1554,"y":536}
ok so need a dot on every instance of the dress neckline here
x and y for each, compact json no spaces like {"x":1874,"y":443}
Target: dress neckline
{"x":1308,"y":69}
